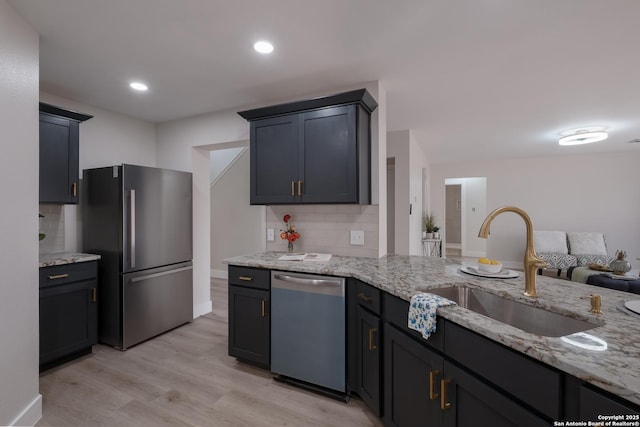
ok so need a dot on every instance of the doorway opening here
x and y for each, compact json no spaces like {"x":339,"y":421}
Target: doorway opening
{"x":465,"y":210}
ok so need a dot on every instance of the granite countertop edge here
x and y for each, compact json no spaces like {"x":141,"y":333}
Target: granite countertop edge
{"x":404,"y":276}
{"x":62,"y":258}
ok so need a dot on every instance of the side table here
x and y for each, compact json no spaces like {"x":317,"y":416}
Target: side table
{"x":432,"y":247}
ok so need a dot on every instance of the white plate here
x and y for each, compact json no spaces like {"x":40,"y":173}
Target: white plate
{"x":503,"y":274}
{"x":633,"y":306}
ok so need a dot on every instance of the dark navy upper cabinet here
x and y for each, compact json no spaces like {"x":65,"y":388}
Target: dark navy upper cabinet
{"x":315,"y":151}
{"x":59,"y":148}
{"x":274,"y":160}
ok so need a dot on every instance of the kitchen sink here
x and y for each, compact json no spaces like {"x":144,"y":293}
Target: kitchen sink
{"x":526,"y":317}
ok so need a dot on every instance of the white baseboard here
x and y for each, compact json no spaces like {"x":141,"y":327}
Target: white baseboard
{"x":202,"y":308}
{"x":474,"y":253}
{"x":31,"y":414}
{"x":513,"y":264}
{"x":219,"y":274}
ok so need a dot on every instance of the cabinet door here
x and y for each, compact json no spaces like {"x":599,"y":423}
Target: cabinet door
{"x":68,"y":320}
{"x":412,"y":375}
{"x":249,"y":325}
{"x":369,"y":347}
{"x":465,"y":401}
{"x":328,"y":161}
{"x":274,"y":160}
{"x":593,"y":403}
{"x":58,"y":159}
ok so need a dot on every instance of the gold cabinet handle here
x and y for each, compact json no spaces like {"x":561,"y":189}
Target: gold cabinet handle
{"x":245,"y":278}
{"x":432,"y":392}
{"x":74,"y":186}
{"x":93,"y":295}
{"x":59,"y":276}
{"x":372,"y":346}
{"x":264,"y":308}
{"x":444,"y":405}
{"x":293,"y":188}
{"x":299,"y":188}
{"x":364,"y":298}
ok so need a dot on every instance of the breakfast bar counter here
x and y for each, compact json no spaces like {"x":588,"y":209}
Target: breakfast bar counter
{"x":615,"y":369}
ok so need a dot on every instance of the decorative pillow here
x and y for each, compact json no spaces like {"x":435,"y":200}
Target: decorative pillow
{"x":590,"y":243}
{"x":550,"y":241}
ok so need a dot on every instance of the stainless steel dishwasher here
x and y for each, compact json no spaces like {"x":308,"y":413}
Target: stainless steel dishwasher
{"x":308,"y":329}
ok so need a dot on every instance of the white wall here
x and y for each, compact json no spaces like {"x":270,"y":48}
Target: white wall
{"x":595,"y":192}
{"x":236,"y":228}
{"x":20,"y":402}
{"x":222,"y":159}
{"x":106,"y":139}
{"x":417,"y":162}
{"x":409,"y":162}
{"x":398,"y":149}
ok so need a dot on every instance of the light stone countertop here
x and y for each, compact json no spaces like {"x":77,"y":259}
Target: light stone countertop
{"x":61,"y":258}
{"x":616,"y":369}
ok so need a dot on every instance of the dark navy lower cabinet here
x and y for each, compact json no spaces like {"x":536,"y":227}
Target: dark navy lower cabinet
{"x":249,"y":319}
{"x":68,"y":312}
{"x":412,"y":374}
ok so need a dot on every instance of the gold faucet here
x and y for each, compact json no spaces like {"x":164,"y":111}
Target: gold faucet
{"x":531,"y":261}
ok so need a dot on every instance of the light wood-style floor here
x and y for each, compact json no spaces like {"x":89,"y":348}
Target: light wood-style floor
{"x":184,"y":378}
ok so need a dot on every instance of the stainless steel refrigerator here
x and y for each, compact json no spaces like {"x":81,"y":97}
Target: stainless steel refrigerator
{"x":139,"y":219}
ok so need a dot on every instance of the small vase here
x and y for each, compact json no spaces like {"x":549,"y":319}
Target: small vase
{"x":436,"y":235}
{"x":290,"y":247}
{"x":428,"y":235}
{"x":620,"y":265}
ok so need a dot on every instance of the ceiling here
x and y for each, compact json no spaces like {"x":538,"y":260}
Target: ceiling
{"x":472,"y":79}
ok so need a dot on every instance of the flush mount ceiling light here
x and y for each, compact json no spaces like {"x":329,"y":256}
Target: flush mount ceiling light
{"x":138,"y":86}
{"x":583,"y":136}
{"x":263,"y":47}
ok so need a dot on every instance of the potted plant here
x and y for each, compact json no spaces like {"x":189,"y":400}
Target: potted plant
{"x":429,"y":225}
{"x":436,"y":232}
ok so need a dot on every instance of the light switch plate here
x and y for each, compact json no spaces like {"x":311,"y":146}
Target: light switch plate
{"x":271,"y":235}
{"x":357,"y":237}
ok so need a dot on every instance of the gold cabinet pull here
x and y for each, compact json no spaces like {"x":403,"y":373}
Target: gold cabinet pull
{"x":93,"y":295}
{"x":74,"y":187}
{"x":364,"y":298}
{"x":432,"y":391}
{"x":293,"y":188}
{"x":245,"y":278}
{"x":444,"y":405}
{"x":372,"y":346}
{"x":264,"y":308}
{"x":299,"y":188}
{"x":59,"y":276}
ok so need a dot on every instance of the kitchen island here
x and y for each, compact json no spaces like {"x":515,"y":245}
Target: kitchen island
{"x":615,"y":370}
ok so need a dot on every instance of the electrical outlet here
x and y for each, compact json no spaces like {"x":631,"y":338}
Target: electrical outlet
{"x":357,"y":237}
{"x":271,"y":234}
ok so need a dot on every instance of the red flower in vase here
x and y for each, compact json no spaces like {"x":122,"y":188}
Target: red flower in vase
{"x":289,"y":233}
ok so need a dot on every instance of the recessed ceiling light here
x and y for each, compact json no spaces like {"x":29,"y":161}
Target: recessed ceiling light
{"x":263,"y":47}
{"x":585,"y":135}
{"x":138,"y":86}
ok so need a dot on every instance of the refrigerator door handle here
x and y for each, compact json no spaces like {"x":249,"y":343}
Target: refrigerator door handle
{"x":132,"y":228}
{"x":154,"y":275}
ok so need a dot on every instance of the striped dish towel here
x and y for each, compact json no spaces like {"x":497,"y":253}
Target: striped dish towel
{"x":422,"y":312}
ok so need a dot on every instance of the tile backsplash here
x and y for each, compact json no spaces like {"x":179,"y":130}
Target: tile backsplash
{"x":52,"y":225}
{"x":326,"y":228}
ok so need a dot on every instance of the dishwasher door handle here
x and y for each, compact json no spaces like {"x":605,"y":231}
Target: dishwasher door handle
{"x":308,"y":281}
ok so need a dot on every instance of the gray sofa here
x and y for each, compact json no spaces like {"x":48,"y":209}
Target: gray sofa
{"x":562,"y":250}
